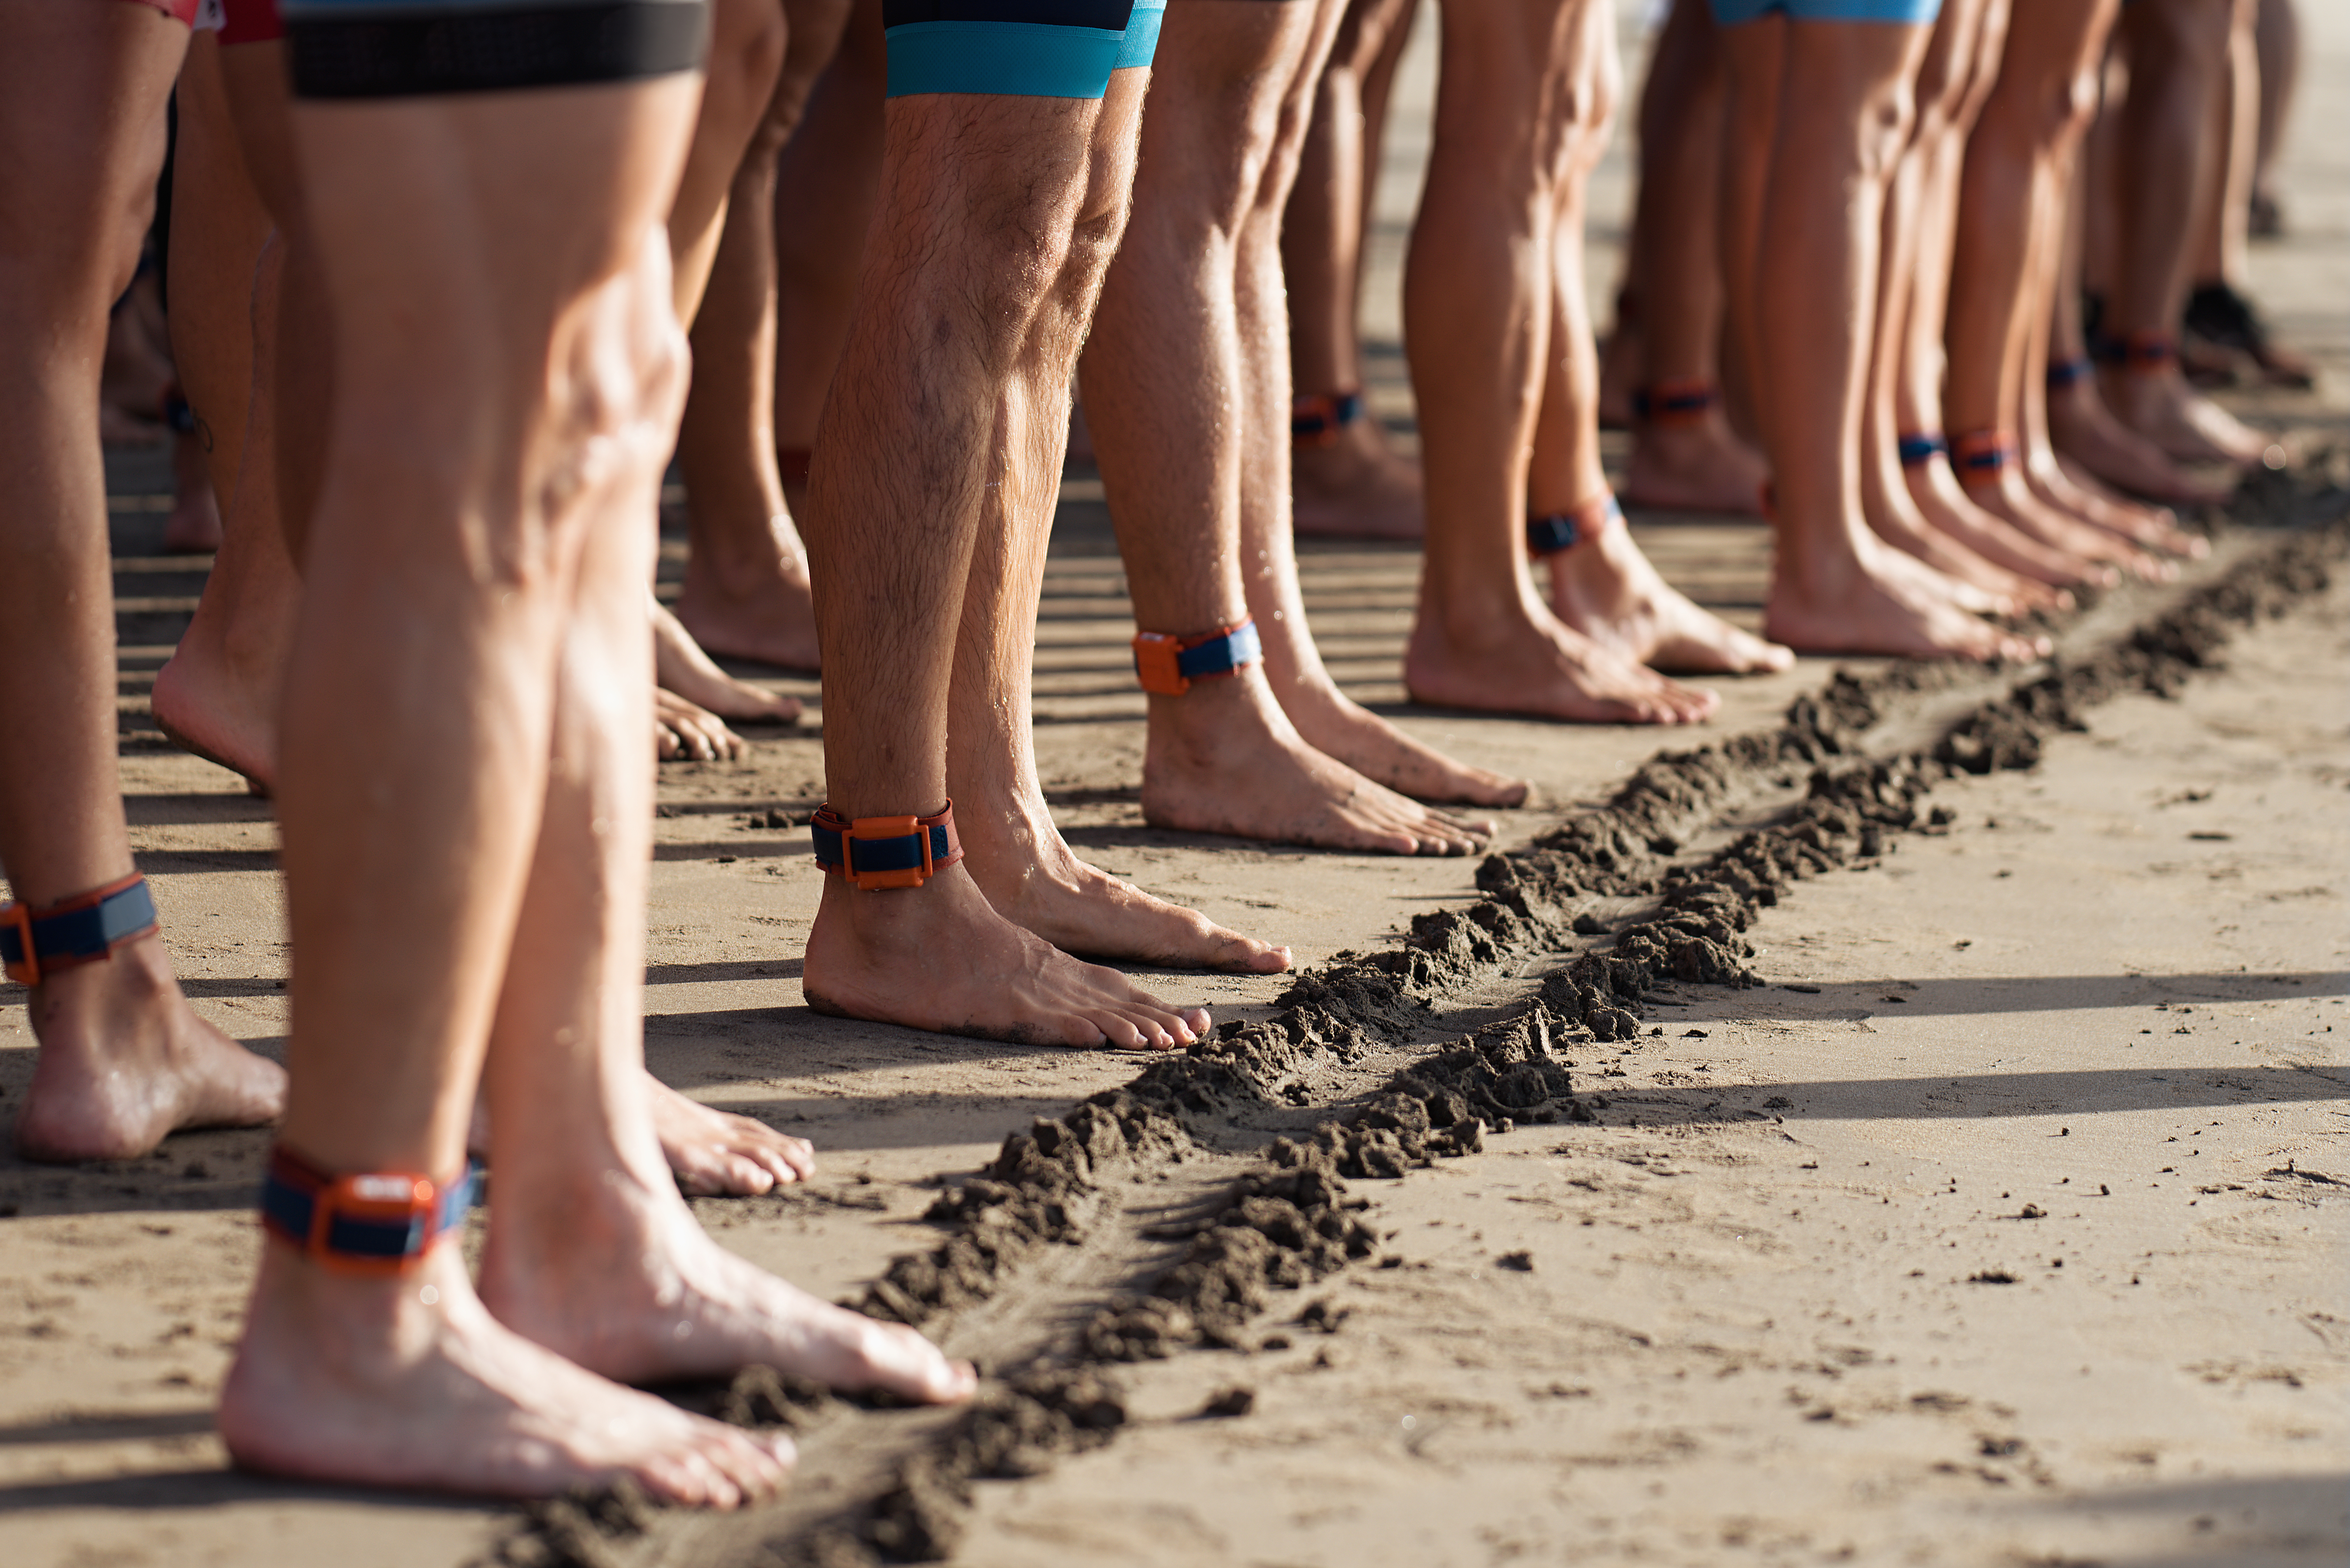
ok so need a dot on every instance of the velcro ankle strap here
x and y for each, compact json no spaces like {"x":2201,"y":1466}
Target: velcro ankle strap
{"x":1316,"y":420}
{"x":882,"y":852}
{"x":1168,"y":664}
{"x":1565,"y":530}
{"x":87,"y":929}
{"x":377,"y":1223}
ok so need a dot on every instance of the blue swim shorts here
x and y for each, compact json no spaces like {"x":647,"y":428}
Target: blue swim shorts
{"x":432,"y":48}
{"x":1731,"y":13}
{"x":1019,"y":48}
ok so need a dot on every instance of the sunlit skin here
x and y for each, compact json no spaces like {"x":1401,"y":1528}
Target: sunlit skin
{"x":502,"y":836}
{"x":1507,"y":381}
{"x":1820,"y":114}
{"x":1187,"y":372}
{"x":998,"y":217}
{"x":123,"y":1061}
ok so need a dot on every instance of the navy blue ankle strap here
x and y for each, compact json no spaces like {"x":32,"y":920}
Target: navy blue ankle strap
{"x":1921,"y":448}
{"x":1565,"y":530}
{"x":380,"y":1222}
{"x":882,"y":852}
{"x":84,"y":930}
{"x":1168,"y":664}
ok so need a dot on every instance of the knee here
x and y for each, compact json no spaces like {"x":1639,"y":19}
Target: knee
{"x":1887,"y":121}
{"x":619,"y":369}
{"x":1595,"y":97}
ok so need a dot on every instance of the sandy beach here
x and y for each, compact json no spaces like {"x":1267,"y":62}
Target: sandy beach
{"x":1995,"y":1212}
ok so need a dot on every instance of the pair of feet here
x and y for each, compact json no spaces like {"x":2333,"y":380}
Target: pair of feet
{"x":1593,"y":654}
{"x":217,"y":697}
{"x":996,"y":939}
{"x":124,"y":1062}
{"x":596,"y":1276}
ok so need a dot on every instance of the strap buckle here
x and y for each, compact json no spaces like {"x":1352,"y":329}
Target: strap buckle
{"x":380,"y":1222}
{"x":900,"y":851}
{"x":85,"y":929}
{"x":1167,"y":664}
{"x":24,"y":969}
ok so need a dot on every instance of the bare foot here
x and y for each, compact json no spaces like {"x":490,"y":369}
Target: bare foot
{"x":684,"y":732}
{"x":2155,"y":527}
{"x":1694,"y":465}
{"x":408,"y":1382}
{"x":1033,"y":880}
{"x":193,"y":528}
{"x":2007,"y":495}
{"x":2188,"y":426}
{"x":938,"y":957}
{"x":205,"y":704}
{"x":1354,"y":488}
{"x":711,"y":1151}
{"x":124,"y":1062}
{"x":758,"y":607}
{"x":1986,"y":588}
{"x":1532,"y":663}
{"x":2084,"y":430}
{"x":1879,"y":601}
{"x":1948,"y":509}
{"x":1605,"y":588}
{"x":1224,"y":758}
{"x":627,"y":1284}
{"x":679,"y":665}
{"x":1343,"y":729}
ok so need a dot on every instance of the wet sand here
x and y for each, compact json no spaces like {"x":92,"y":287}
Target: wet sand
{"x":1750,"y":1311}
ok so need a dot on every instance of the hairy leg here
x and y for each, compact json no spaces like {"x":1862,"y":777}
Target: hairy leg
{"x":1478,"y":310}
{"x":998,"y":217}
{"x":123,"y":1059}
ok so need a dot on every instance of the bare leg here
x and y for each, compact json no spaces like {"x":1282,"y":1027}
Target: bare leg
{"x":1840,"y":104}
{"x":998,"y":216}
{"x":1512,"y":112}
{"x":2277,"y":46}
{"x":1605,"y":587}
{"x":745,"y":593}
{"x":123,"y":1061}
{"x":828,"y":182}
{"x":1912,"y":294}
{"x":2087,"y":437}
{"x":2012,"y":208}
{"x":2179,"y":66}
{"x":1189,"y":399}
{"x":218,"y":694}
{"x":1684,"y":453}
{"x":502,"y":835}
{"x":1351,"y":484}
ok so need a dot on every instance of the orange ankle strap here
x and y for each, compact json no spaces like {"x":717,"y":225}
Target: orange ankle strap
{"x":1317,"y":419}
{"x":877,"y":852}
